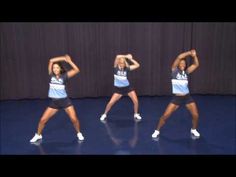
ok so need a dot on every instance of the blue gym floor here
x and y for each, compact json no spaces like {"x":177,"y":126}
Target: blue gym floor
{"x":120,"y":134}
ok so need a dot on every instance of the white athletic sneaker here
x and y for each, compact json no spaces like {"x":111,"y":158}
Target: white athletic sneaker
{"x":80,"y":136}
{"x":137,"y":116}
{"x":194,"y":137}
{"x":155,"y":134}
{"x":36,"y":138}
{"x":103,"y":117}
{"x":38,"y":143}
{"x":195,"y":132}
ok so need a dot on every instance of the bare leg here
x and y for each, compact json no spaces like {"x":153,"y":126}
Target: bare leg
{"x":73,"y":117}
{"x":169,"y":110}
{"x":192,"y":107}
{"x":115,"y":97}
{"x":48,"y":113}
{"x":134,"y":98}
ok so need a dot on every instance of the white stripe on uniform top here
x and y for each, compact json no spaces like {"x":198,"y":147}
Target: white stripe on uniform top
{"x":120,"y":77}
{"x":57,"y":86}
{"x":179,"y":82}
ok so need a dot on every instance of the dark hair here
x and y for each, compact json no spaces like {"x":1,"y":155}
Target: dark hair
{"x":61,"y":66}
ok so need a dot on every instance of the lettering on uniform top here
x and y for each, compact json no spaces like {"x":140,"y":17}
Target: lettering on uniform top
{"x":181,"y":76}
{"x":56,"y":81}
{"x":121,"y":73}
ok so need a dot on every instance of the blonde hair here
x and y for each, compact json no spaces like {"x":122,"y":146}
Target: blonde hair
{"x":123,"y":60}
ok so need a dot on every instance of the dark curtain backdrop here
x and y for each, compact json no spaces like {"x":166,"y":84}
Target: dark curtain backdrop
{"x":27,"y":47}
